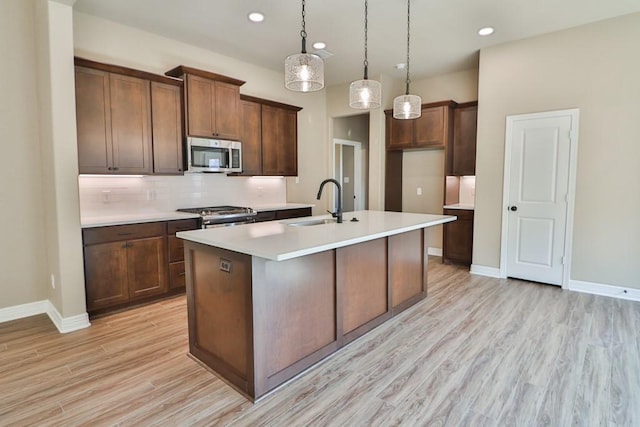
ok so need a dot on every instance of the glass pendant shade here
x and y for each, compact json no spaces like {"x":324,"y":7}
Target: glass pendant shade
{"x":304,"y":72}
{"x":407,"y":107}
{"x":365,"y":94}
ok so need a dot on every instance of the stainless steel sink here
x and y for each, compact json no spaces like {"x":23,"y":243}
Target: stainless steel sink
{"x":311,"y":222}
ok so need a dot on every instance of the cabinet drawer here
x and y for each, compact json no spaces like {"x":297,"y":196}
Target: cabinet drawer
{"x":266,"y":216}
{"x":462,"y":214}
{"x":293,"y":213}
{"x":182,"y":225}
{"x":176,"y":249}
{"x":116,"y":233}
{"x":176,"y":275}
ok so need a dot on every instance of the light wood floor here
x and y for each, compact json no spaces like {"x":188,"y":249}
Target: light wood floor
{"x":477,"y":351}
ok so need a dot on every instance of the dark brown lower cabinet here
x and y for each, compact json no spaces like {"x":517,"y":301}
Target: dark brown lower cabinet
{"x":457,"y":240}
{"x":258,"y":323}
{"x":129,"y":264}
{"x":282,"y":214}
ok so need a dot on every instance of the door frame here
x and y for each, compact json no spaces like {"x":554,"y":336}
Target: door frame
{"x":571,"y":190}
{"x":357,"y":170}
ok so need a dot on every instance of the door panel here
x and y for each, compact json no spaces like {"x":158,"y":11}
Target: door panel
{"x":130,"y":124}
{"x":538,"y":187}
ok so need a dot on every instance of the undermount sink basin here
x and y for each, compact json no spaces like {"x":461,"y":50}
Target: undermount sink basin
{"x":311,"y":222}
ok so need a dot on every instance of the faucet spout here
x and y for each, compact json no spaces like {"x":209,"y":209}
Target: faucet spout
{"x":338,"y":213}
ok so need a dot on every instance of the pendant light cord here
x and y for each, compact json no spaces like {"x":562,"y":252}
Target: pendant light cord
{"x":408,"y":41}
{"x":366,"y":22}
{"x":303,"y":32}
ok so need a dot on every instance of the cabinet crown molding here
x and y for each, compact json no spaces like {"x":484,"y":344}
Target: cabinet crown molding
{"x":181,"y":70}
{"x":118,"y":69}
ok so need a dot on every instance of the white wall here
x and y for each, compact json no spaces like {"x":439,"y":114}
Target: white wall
{"x":23,"y":273}
{"x":595,"y":68}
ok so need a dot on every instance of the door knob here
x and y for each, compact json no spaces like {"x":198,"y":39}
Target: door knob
{"x":513,"y":208}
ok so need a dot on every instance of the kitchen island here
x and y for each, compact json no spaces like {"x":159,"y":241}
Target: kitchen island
{"x":268,"y":300}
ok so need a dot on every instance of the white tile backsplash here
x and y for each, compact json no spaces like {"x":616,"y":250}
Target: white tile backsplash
{"x":115,"y":195}
{"x":467,"y":190}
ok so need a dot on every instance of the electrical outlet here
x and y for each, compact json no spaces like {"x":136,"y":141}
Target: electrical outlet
{"x":53,"y":281}
{"x":419,"y":191}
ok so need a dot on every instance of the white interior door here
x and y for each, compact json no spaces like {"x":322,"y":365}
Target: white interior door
{"x":537,"y":194}
{"x":348,"y":171}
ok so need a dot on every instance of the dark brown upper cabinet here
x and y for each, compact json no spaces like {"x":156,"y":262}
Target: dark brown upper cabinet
{"x":432,"y":130}
{"x":269,"y":137}
{"x":461,"y":155}
{"x":125,"y":119}
{"x":212,"y":103}
{"x":166,"y":120}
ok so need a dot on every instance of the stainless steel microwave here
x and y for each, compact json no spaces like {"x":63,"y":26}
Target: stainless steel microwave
{"x":213,"y":155}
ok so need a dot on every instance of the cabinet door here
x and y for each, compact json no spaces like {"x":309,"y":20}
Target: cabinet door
{"x":464,"y":140}
{"x":269,"y":140}
{"x":227,"y":111}
{"x":279,"y":141}
{"x":288,"y":147}
{"x":430,"y":128}
{"x":105,"y":272}
{"x":457,"y":245}
{"x":251,"y":138}
{"x":147,"y":266}
{"x":200,"y":104}
{"x":166,"y":118}
{"x":400,"y":133}
{"x":93,"y":119}
{"x":130,"y":124}
{"x":407,"y":271}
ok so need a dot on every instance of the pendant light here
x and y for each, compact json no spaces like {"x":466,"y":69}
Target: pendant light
{"x":365,"y":94}
{"x":407,"y":106}
{"x":304,"y":72}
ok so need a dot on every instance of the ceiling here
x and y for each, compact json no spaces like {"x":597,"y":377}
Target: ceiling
{"x":443,"y":32}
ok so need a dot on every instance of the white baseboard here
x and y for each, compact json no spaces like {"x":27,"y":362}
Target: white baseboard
{"x":67,"y":324}
{"x":482,"y":270}
{"x":23,"y":310}
{"x":434,"y":251}
{"x":605,"y":290}
{"x":64,"y":324}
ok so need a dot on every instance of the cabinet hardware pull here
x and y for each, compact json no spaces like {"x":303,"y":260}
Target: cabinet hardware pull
{"x":124,"y":246}
{"x":181,"y":274}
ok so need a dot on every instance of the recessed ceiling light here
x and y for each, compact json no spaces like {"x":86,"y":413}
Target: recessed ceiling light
{"x":485,"y":31}
{"x":400,"y":66}
{"x":319,"y":45}
{"x":256,"y":17}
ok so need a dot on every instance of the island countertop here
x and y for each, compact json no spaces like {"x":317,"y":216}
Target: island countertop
{"x":279,"y":241}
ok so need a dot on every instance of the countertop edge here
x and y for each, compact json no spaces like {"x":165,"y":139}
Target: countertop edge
{"x":186,"y":235}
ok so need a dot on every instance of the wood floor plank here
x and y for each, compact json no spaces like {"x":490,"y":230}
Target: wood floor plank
{"x":592,"y":400}
{"x":477,"y":351}
{"x":625,"y":385}
{"x":557,"y":406}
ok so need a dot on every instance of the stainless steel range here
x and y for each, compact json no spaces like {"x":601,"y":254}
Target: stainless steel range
{"x":223,"y":216}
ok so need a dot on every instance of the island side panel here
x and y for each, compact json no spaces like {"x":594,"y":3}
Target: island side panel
{"x":294,"y":316}
{"x":220,"y":312}
{"x":361,"y":273}
{"x":407,"y":268}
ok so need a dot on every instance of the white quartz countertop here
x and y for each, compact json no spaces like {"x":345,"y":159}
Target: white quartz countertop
{"x":133,"y":218}
{"x":460,"y":206}
{"x":279,"y":241}
{"x":139,"y":217}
